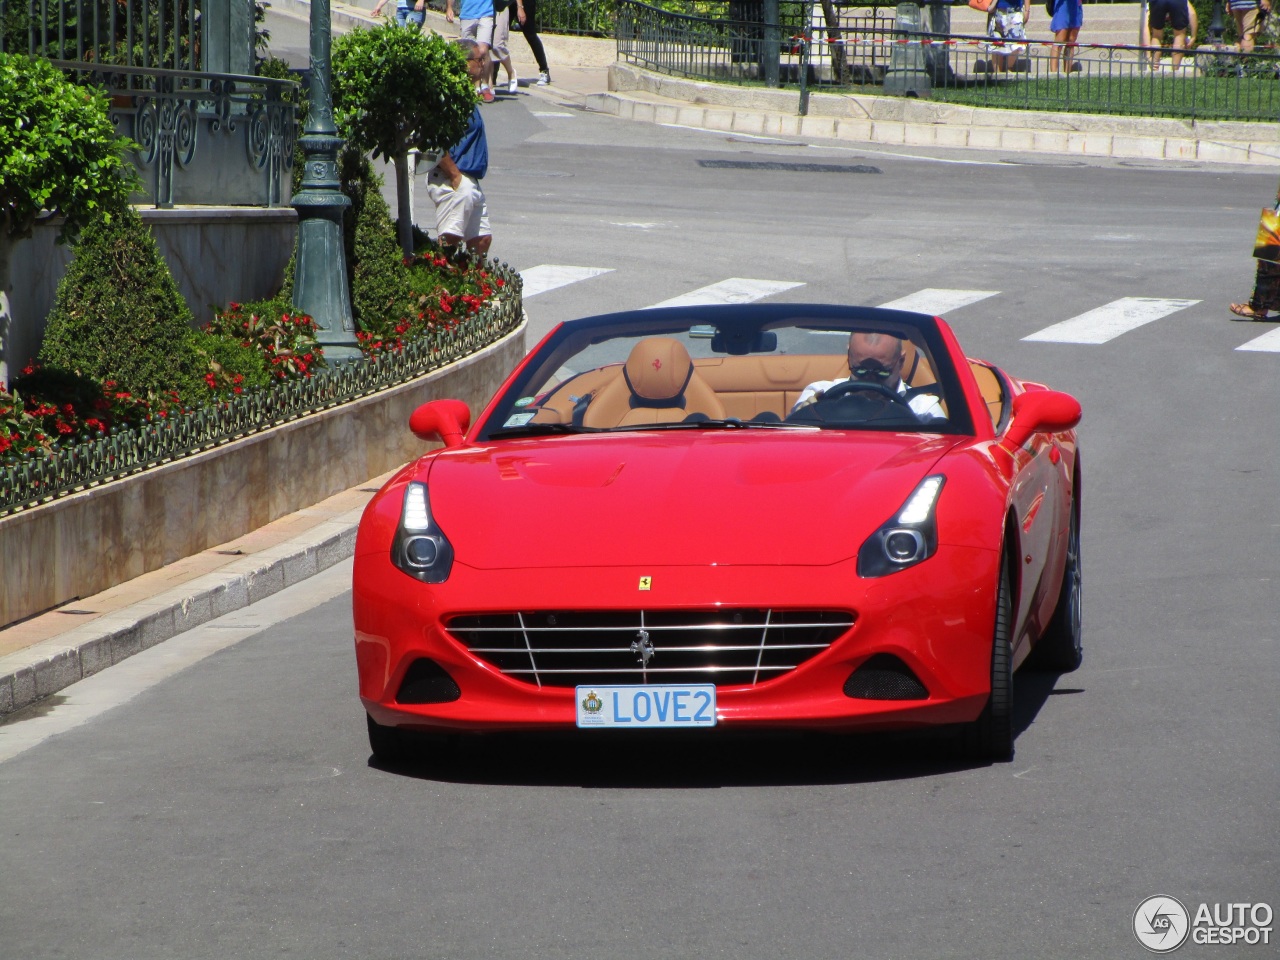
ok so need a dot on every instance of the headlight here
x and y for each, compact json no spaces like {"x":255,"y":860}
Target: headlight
{"x":420,"y":548}
{"x":909,"y":537}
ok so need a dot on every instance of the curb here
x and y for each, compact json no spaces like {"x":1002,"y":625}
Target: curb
{"x":45,"y":668}
{"x":642,"y":95}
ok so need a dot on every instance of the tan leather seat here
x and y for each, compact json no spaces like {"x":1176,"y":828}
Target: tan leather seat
{"x":658,"y":384}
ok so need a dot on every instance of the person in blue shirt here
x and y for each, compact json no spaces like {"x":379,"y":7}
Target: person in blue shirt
{"x":462,"y":214}
{"x":475,"y":22}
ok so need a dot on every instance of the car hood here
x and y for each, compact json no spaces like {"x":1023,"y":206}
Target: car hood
{"x":675,"y":498}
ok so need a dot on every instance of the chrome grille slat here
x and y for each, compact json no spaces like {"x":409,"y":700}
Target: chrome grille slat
{"x":566,"y":648}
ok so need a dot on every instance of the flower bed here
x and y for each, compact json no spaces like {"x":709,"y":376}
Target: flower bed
{"x":247,"y":348}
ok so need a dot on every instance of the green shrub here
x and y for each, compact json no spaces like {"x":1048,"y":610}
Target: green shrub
{"x":222,"y":367}
{"x":380,"y":287}
{"x":118,"y":314}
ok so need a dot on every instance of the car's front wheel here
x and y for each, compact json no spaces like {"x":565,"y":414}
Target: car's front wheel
{"x":990,"y":737}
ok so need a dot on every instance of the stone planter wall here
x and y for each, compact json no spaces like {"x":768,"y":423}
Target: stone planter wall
{"x":87,"y":542}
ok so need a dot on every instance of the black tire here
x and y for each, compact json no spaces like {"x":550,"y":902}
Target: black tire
{"x":990,"y":737}
{"x":391,"y":747}
{"x":1060,"y":649}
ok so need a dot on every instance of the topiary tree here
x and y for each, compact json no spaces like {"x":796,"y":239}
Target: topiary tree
{"x":397,"y":89}
{"x":59,"y":156}
{"x":118,"y":314}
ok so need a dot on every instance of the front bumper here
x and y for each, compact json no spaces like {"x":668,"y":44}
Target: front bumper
{"x":937,"y":618}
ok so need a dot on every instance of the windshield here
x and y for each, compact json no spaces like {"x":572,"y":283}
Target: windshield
{"x":737,"y":368}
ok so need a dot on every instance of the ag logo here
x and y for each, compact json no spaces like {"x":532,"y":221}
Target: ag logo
{"x":1161,"y":924}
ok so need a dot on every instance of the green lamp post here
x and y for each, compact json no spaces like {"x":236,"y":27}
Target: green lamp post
{"x":320,"y":275}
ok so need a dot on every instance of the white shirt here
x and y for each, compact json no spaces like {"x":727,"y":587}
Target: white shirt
{"x":924,"y":405}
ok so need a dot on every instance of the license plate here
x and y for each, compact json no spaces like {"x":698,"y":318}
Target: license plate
{"x":650,"y":705}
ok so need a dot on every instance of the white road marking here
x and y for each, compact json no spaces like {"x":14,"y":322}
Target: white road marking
{"x":1109,"y":321}
{"x":733,"y":290}
{"x":548,"y":276}
{"x":537,"y":113}
{"x":938,"y":301}
{"x":638,"y":225}
{"x":1269,"y":342}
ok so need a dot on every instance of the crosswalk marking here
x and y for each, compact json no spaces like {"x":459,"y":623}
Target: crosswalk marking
{"x":733,"y":290}
{"x":1096,"y":326}
{"x":1109,"y":321}
{"x":938,"y":301}
{"x":548,"y":276}
{"x":1269,"y":342}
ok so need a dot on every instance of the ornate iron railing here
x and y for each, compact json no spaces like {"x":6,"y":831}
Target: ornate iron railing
{"x":206,"y":137}
{"x":67,"y":470}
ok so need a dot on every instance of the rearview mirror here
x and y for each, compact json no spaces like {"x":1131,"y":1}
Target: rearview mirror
{"x":443,"y":420}
{"x":1041,"y":411}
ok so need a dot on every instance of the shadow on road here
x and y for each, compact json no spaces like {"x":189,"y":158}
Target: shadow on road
{"x":704,"y":759}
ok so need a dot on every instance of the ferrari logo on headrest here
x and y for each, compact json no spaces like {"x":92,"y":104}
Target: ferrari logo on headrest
{"x":657,"y":363}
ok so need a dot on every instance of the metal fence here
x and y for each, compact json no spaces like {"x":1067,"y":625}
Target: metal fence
{"x":233,"y":133}
{"x":32,"y":482}
{"x":876,"y":53}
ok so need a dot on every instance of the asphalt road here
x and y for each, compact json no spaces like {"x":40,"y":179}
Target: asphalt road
{"x":180,"y":806}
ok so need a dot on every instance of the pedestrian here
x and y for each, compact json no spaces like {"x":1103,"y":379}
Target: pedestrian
{"x":527,"y":17}
{"x":475,"y":22}
{"x":462,"y":214}
{"x":1266,"y":281}
{"x":500,"y":50}
{"x":1068,"y":18}
{"x":408,"y":13}
{"x":1249,"y":16}
{"x":1006,"y":22}
{"x":1177,"y":15}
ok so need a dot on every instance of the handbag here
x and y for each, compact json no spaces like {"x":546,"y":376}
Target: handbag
{"x":1267,"y":244}
{"x":983,"y":5}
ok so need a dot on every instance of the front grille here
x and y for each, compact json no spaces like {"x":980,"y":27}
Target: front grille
{"x":724,"y":647}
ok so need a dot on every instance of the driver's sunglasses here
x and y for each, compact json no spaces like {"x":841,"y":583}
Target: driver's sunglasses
{"x":872,"y":369}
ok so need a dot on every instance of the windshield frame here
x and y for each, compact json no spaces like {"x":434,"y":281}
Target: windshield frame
{"x":740,"y":324}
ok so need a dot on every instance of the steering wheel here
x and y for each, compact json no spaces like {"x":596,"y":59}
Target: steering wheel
{"x":851,"y":386}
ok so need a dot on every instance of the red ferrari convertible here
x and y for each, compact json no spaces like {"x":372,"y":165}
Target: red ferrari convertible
{"x":758,"y":516}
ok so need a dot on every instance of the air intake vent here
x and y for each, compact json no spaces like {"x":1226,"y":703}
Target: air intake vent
{"x":426,"y":682}
{"x":727,"y":647}
{"x":884,"y":677}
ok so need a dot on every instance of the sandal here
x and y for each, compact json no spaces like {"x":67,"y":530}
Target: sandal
{"x":1247,"y":312}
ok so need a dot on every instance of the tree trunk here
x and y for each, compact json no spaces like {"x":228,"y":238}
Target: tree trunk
{"x":404,"y":209}
{"x":6,"y":315}
{"x":838,"y":52}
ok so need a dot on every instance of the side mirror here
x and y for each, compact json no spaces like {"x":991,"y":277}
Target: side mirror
{"x":1040,"y":411}
{"x":444,"y":420}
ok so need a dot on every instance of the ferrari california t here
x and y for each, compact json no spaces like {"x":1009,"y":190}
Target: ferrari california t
{"x":790,"y":515}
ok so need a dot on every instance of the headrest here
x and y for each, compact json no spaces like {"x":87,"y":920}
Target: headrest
{"x":659,"y":368}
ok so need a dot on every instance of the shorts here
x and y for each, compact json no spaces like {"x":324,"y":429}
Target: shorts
{"x":1173,"y":11}
{"x":1007,"y":25}
{"x":1248,"y":21}
{"x":409,"y":17}
{"x":463,"y":212}
{"x":501,"y":34}
{"x":481,"y":31}
{"x":1067,"y":15}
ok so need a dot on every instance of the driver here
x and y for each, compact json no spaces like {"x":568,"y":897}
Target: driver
{"x":876,"y":358}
